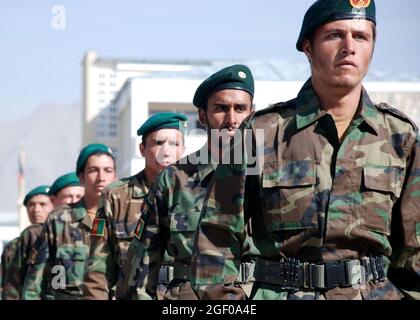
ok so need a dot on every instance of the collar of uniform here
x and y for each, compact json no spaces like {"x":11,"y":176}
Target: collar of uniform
{"x":79,"y":212}
{"x":370,"y":113}
{"x":140,"y":189}
{"x":204,"y":169}
{"x":308,"y":108}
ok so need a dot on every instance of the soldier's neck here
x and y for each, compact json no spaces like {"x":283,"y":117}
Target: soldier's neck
{"x":151,"y":176}
{"x":91,"y":202}
{"x":342,"y":104}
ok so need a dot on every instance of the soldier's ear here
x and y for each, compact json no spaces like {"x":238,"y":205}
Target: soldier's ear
{"x":307,"y":49}
{"x":82,"y":178}
{"x":202,"y":116}
{"x":54,"y":200}
{"x":142,"y":149}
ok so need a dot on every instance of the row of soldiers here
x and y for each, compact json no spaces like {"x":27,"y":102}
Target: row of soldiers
{"x":83,"y":224}
{"x":323,"y":204}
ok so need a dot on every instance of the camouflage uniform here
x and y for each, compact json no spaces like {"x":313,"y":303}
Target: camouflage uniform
{"x":6,"y":258}
{"x":64,"y":242}
{"x":120,"y":209}
{"x":317,"y":200}
{"x":170,"y":217}
{"x":17,"y":269}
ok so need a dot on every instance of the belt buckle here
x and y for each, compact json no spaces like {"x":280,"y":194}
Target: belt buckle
{"x":335,"y":274}
{"x":247,"y":272}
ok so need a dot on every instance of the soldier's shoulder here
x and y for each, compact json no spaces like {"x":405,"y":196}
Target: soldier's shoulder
{"x":185,"y":166}
{"x":59,"y":211}
{"x":396,"y":114}
{"x":275,"y":108}
{"x":32,"y":228}
{"x":11,"y":244}
{"x":275,"y":115}
{"x":119,"y":184}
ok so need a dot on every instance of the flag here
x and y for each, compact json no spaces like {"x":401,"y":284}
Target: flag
{"x":21,"y":173}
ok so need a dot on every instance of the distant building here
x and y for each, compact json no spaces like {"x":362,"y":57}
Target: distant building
{"x":102,"y":80}
{"x":120,"y":94}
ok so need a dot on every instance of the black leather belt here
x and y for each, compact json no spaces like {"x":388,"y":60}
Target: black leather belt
{"x":292,"y":274}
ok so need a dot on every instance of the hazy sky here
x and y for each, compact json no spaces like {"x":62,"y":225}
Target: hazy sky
{"x":42,"y":65}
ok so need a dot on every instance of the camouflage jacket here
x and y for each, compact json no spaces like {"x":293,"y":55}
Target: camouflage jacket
{"x":313,"y":198}
{"x":57,"y":266}
{"x":119,"y":211}
{"x":18,"y":266}
{"x":6,"y":257}
{"x":170,"y":216}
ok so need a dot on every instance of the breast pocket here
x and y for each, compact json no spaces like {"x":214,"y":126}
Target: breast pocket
{"x":382,"y":188}
{"x":183,"y":226}
{"x":289,"y":195}
{"x":74,"y":261}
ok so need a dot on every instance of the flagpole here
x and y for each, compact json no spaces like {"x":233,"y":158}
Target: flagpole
{"x":23,"y":219}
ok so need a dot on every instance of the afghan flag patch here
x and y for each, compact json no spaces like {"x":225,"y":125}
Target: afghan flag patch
{"x":98,"y":228}
{"x":139,"y":229}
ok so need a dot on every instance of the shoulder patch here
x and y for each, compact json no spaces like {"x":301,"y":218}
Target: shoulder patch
{"x":397,"y":113}
{"x":98,"y":227}
{"x":139,"y":229}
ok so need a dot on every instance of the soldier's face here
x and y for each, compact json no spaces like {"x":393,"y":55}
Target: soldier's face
{"x":38,"y":208}
{"x":68,"y":195}
{"x":163,"y":147}
{"x":340,"y":53}
{"x":98,"y":173}
{"x":226,"y":109}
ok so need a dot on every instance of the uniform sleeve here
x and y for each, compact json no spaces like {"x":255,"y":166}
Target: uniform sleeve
{"x":12,"y":282}
{"x":101,"y":268}
{"x":145,"y":255}
{"x":405,"y":234}
{"x":35,"y":284}
{"x":2,"y":271}
{"x":221,"y":235}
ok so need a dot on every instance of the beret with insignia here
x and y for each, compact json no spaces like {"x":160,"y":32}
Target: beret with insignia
{"x":91,"y":149}
{"x":67,"y":180}
{"x":35,"y":192}
{"x":237,"y":77}
{"x":163,"y":120}
{"x":324,"y":11}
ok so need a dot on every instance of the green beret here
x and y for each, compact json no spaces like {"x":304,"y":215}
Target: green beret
{"x":89,"y":150}
{"x":164,"y":120}
{"x":237,"y":76}
{"x":67,"y":180}
{"x":323,"y":11}
{"x":35,"y":192}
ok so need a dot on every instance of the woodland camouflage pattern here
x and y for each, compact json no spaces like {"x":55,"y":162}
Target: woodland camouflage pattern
{"x":64,"y":241}
{"x":317,"y":199}
{"x":18,"y":265}
{"x":120,"y":207}
{"x":170,"y":216}
{"x":6,"y":257}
